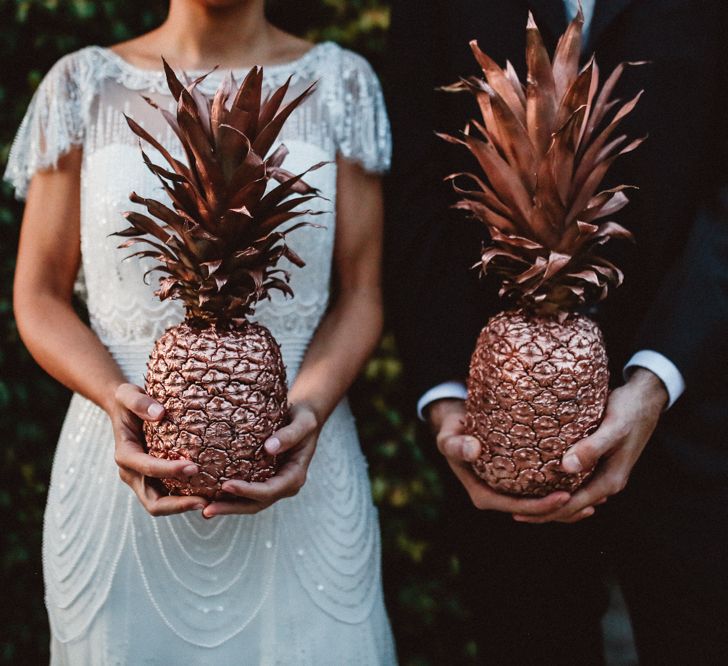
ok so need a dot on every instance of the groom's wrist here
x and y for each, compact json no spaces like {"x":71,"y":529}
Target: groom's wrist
{"x":451,"y":390}
{"x":662,"y":367}
{"x":650,"y":388}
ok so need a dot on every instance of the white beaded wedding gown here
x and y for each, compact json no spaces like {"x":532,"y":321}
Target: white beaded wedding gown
{"x":300,"y":582}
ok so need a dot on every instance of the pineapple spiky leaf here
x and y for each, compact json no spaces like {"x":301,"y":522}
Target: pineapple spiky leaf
{"x":219,"y":243}
{"x":544,"y":148}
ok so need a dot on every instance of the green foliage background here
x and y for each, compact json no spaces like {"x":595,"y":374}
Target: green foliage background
{"x":418,"y":568}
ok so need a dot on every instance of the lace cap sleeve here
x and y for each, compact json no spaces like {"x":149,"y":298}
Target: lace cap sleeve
{"x":364,"y":134}
{"x":53,"y":124}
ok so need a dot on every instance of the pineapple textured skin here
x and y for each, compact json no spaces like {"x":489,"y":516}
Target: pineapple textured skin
{"x":537,"y":385}
{"x":224,"y":392}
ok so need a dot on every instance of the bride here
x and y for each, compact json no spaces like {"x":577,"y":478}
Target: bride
{"x":289,"y":573}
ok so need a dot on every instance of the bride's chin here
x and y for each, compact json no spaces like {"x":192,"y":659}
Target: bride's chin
{"x":222,"y":4}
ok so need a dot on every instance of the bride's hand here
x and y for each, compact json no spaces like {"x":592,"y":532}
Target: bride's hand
{"x":296,"y":443}
{"x":131,"y":406}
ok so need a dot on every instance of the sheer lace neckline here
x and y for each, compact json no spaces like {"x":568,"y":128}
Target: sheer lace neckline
{"x":81,"y":100}
{"x":136,"y":75}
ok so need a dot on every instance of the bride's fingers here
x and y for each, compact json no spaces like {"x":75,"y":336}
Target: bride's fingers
{"x":286,"y":483}
{"x":157,"y":504}
{"x":236,"y":507}
{"x":173,"y":504}
{"x":129,"y":455}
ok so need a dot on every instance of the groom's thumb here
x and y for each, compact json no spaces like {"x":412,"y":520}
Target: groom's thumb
{"x":462,"y":448}
{"x":585,"y":454}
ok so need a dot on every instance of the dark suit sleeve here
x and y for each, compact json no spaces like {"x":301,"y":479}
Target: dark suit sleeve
{"x":435,"y":302}
{"x":688,"y":321}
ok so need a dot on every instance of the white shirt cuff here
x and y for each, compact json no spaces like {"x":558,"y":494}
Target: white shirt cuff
{"x":661,"y":366}
{"x":446,"y":390}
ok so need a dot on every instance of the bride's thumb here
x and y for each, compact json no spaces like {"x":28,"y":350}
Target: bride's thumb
{"x":302,"y":425}
{"x":139,"y":403}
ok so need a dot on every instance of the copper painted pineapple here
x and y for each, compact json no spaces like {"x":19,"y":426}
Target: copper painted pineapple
{"x":219,"y":376}
{"x":538,"y":379}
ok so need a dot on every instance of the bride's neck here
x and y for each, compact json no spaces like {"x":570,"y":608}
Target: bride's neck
{"x":196,"y":35}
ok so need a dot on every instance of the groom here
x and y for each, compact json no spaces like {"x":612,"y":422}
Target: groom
{"x":532,"y":580}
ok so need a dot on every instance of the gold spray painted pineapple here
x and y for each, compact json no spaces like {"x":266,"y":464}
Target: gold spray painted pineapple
{"x":538,"y":379}
{"x":219,"y":376}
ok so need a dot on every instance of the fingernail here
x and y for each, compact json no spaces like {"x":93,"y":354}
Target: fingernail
{"x":571,"y":463}
{"x":189,"y":470}
{"x":155,"y":410}
{"x":273,"y":445}
{"x":563,"y":500}
{"x":471,"y":449}
{"x":200,"y":507}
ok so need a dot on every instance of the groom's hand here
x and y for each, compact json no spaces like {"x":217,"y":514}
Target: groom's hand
{"x":447,"y":418}
{"x":633,"y":411}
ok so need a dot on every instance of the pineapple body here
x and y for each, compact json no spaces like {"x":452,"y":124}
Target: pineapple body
{"x":225,"y":393}
{"x":537,"y":385}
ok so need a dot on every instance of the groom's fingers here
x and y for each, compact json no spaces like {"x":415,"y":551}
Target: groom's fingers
{"x":530,"y":506}
{"x":486,"y":499}
{"x":597,"y":489}
{"x":459,"y":447}
{"x":575,"y":518}
{"x":587,"y":452}
{"x":460,"y":450}
{"x":453,"y":443}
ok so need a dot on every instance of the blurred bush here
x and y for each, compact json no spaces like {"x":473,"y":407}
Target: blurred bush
{"x":418,"y":567}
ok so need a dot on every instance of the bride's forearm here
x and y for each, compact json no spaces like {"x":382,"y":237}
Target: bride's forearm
{"x":343,"y":342}
{"x":66,"y":348}
{"x":48,"y":260}
{"x":351,"y":329}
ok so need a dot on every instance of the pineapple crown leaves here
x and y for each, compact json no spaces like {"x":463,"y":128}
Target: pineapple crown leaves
{"x":544,"y":148}
{"x":219,"y":243}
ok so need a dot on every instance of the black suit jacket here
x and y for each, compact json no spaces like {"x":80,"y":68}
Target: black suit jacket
{"x":675,"y":296}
